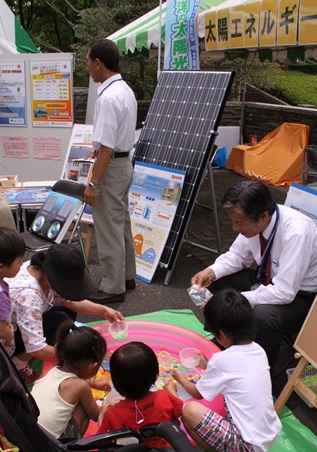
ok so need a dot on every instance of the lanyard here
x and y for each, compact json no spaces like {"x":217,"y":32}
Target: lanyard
{"x":268,"y":247}
{"x":113,"y":81}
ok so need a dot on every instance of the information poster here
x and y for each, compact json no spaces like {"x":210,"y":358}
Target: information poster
{"x":15,"y":147}
{"x":51,"y":93}
{"x":303,"y":199}
{"x":23,"y":195}
{"x":12,"y":94}
{"x":79,"y":150}
{"x":78,"y":162}
{"x":153,"y":198}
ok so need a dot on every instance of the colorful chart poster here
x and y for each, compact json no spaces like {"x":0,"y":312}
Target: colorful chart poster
{"x":12,"y":94}
{"x":51,"y":90}
{"x":153,"y":199}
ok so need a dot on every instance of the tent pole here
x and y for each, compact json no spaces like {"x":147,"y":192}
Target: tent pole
{"x":244,"y":88}
{"x":159,"y":43}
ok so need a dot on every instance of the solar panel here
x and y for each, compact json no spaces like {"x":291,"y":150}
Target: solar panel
{"x":179,"y":132}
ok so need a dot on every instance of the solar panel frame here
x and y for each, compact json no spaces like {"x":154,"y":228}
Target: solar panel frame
{"x":179,"y":132}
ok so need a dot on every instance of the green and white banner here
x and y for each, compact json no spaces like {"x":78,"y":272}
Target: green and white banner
{"x":13,"y":37}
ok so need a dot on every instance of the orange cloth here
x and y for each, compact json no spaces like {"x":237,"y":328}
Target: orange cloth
{"x":276,"y":159}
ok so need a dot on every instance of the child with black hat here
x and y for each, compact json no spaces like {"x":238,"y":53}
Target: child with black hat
{"x":49,"y":289}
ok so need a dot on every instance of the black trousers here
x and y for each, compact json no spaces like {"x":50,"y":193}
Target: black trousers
{"x":51,"y":321}
{"x":272,"y":321}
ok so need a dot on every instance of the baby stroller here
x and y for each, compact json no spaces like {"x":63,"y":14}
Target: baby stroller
{"x":19,"y":413}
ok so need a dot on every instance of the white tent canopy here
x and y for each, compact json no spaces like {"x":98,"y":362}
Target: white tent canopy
{"x":149,"y":30}
{"x":145,"y":32}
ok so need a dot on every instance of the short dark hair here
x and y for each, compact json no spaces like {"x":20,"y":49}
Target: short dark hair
{"x":134,"y":369}
{"x":107,"y":52}
{"x":37,"y":259}
{"x":230,"y":312}
{"x":12,"y":245}
{"x":251,"y":198}
{"x":77,"y":344}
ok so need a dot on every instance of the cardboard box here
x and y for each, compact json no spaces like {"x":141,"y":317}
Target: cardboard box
{"x":8,"y":181}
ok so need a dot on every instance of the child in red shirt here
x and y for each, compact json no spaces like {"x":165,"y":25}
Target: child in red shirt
{"x":134,"y":369}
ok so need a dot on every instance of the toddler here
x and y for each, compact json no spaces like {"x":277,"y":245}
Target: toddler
{"x":134,"y":369}
{"x":64,"y":394}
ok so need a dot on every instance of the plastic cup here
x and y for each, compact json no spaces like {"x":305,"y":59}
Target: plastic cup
{"x":189,"y":357}
{"x":118,"y":330}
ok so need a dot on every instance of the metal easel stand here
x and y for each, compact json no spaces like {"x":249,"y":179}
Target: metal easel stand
{"x":215,"y":216}
{"x":213,"y":208}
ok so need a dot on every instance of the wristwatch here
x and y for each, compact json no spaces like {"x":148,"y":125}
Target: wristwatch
{"x":93,"y":186}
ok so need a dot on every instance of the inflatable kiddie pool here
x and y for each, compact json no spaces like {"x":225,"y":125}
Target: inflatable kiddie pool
{"x":161,"y":337}
{"x":164,"y":338}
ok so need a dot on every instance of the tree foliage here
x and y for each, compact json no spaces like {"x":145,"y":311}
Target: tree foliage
{"x":101,"y":21}
{"x":50,"y":23}
{"x":250,"y":69}
{"x":70,"y":25}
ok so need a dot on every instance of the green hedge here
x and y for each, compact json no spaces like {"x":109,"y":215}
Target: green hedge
{"x":306,"y":68}
{"x":296,"y":88}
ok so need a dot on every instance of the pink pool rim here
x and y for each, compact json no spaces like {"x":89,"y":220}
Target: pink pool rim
{"x":165,"y":336}
{"x":159,"y":336}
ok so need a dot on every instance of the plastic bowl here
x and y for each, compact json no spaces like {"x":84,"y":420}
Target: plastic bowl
{"x":189,"y":357}
{"x":118,"y":330}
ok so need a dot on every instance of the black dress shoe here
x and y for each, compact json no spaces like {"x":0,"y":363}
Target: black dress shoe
{"x":130,"y":284}
{"x":105,"y":298}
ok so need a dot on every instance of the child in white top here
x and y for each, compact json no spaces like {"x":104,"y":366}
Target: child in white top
{"x":12,"y":248}
{"x":64,"y":394}
{"x":241,"y":374}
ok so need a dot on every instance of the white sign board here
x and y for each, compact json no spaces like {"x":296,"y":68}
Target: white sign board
{"x":153,"y":198}
{"x":303,"y":199}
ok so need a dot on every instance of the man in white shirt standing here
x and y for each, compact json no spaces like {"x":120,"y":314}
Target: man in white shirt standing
{"x":113,"y":138}
{"x":283,"y":285}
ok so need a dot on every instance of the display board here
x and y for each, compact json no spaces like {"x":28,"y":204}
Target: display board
{"x":306,"y":340}
{"x":303,"y":199}
{"x":78,"y":164}
{"x":36,"y":114}
{"x":305,"y":344}
{"x":179,"y":132}
{"x":153,"y":199}
{"x":78,"y":150}
{"x":55,"y":216}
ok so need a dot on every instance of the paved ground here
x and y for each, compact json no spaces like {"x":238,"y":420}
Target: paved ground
{"x":157,"y":295}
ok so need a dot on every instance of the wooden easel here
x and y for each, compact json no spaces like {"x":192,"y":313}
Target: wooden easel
{"x":305,"y":344}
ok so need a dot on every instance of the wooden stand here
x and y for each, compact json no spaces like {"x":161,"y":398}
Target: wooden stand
{"x":305,"y":344}
{"x":296,"y":382}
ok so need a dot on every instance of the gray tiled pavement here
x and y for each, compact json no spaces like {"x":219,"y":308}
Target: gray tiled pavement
{"x":157,"y":295}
